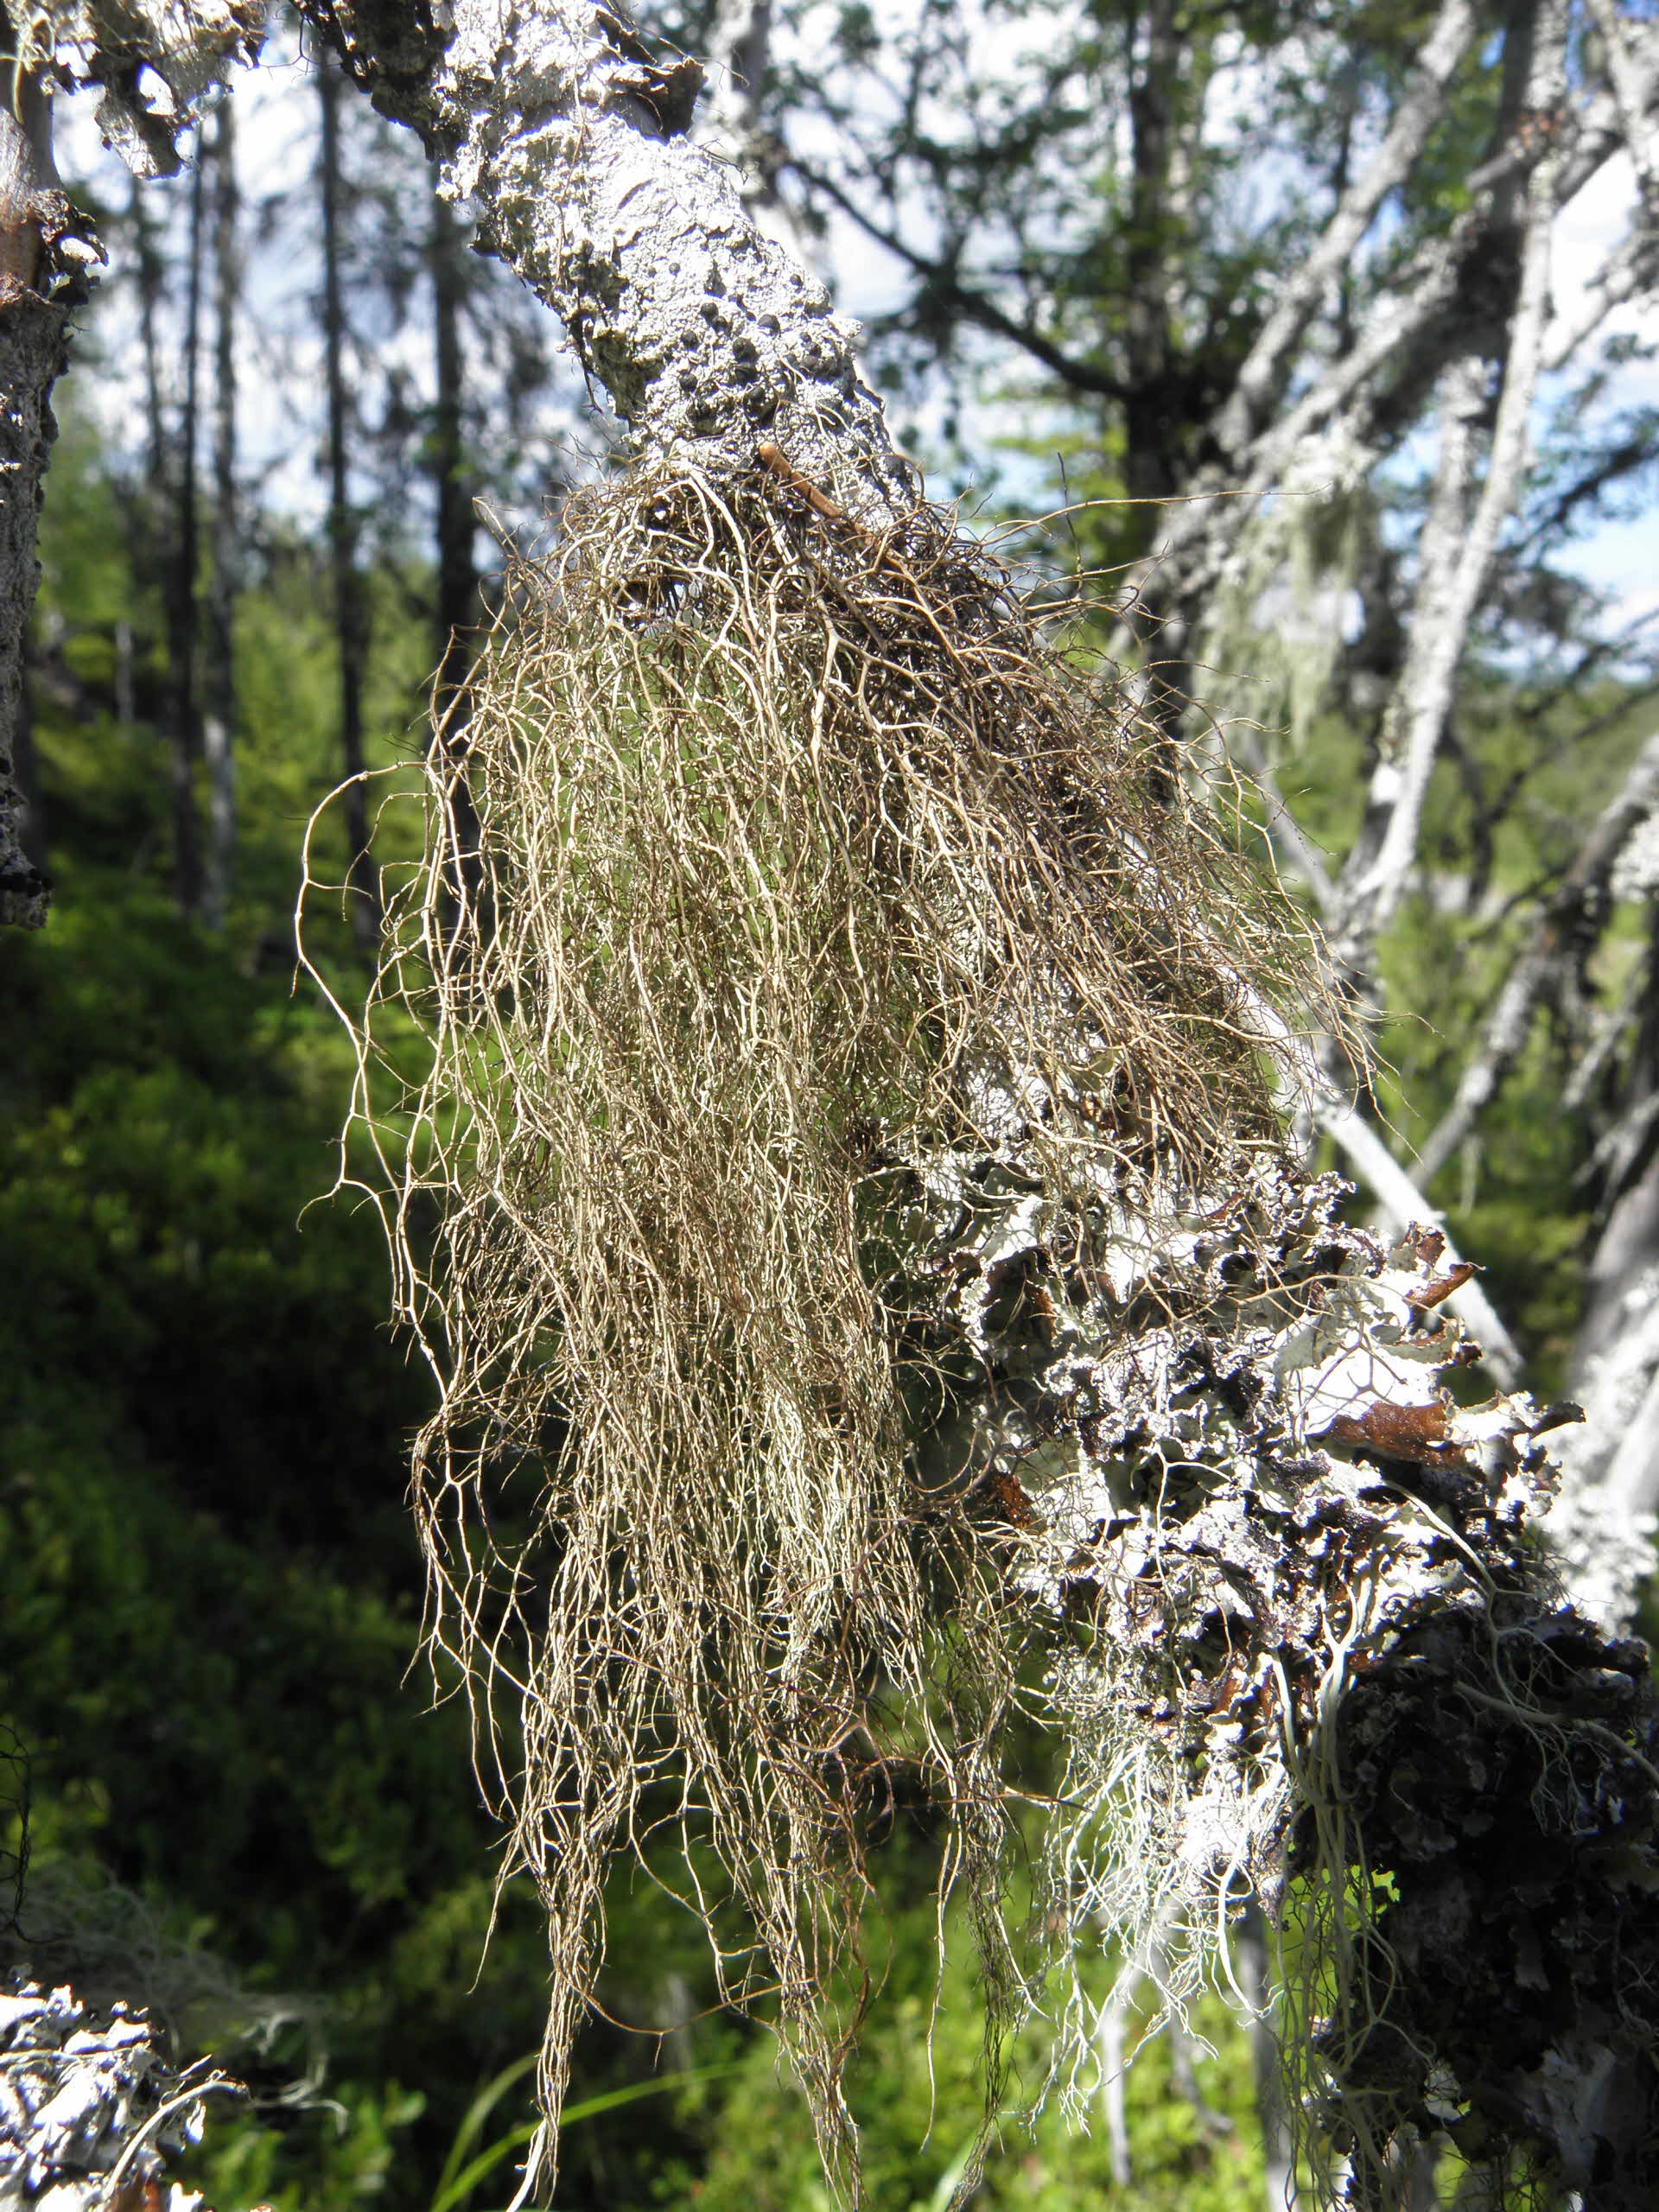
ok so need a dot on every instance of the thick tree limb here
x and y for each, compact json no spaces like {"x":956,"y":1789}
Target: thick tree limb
{"x":570,"y":137}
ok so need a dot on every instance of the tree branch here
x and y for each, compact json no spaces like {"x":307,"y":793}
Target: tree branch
{"x":1266,"y":370}
{"x":1550,"y":944}
{"x":973,"y":305}
{"x":1455,"y":561}
{"x":570,"y":137}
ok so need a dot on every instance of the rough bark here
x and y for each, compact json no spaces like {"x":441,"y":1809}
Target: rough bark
{"x":1494,"y":1753}
{"x":89,"y":2109}
{"x":570,"y":137}
{"x":46,"y":252}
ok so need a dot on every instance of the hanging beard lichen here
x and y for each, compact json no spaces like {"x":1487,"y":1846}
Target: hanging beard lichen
{"x":803,"y":936}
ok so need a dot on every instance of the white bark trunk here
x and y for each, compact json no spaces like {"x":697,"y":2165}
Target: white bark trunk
{"x":1541,"y":959}
{"x":1457,"y":554}
{"x":1376,"y":869}
{"x":1603,"y":1524}
{"x":1262,"y":378}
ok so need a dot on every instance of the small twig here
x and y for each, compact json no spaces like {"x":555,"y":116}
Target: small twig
{"x":214,"y":2084}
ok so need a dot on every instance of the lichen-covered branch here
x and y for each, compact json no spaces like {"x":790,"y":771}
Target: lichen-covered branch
{"x":1262,"y":1525}
{"x":568,"y":135}
{"x":864,"y":1228}
{"x":89,"y":2107}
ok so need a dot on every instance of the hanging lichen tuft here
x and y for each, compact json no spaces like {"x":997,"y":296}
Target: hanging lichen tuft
{"x":802,"y":858}
{"x":843,"y":1209}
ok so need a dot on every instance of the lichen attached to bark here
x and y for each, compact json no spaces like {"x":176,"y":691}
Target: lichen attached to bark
{"x":845,"y":1212}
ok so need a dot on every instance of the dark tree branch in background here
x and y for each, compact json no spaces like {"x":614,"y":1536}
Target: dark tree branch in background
{"x":944,"y":285}
{"x":456,"y":607}
{"x":181,"y":580}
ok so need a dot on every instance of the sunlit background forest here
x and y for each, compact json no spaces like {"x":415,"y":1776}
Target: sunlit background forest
{"x":245,"y":1804}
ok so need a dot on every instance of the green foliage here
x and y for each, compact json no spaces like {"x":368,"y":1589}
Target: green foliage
{"x":914,"y":2089}
{"x":211,"y":1594}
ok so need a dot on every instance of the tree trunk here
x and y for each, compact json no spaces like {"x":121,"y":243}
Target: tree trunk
{"x":1153,"y":407}
{"x":456,"y":606}
{"x":1604,"y":1522}
{"x":350,"y":605}
{"x":218,"y":722}
{"x":181,"y":582}
{"x":40,"y":282}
